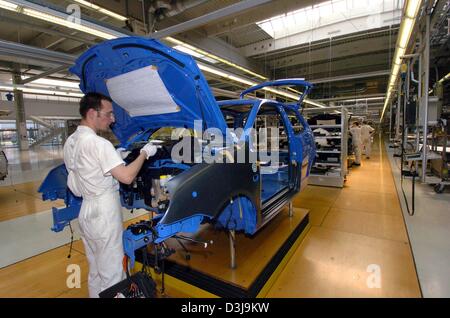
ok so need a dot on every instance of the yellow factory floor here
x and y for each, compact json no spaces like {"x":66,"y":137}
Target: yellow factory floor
{"x":357,"y":232}
{"x":23,"y":199}
{"x":357,"y":246}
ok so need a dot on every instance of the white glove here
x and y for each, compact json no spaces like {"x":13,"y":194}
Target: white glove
{"x":149,"y":150}
{"x":123,"y":153}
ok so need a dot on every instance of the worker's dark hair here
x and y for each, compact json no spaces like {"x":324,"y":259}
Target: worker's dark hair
{"x":356,"y":123}
{"x":92,"y":100}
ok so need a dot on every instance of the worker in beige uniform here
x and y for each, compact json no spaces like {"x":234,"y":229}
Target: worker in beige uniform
{"x":366,"y":138}
{"x":94,"y":169}
{"x":355,"y":131}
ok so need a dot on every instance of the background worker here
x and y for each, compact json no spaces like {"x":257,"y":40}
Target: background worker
{"x":355,"y":131}
{"x":366,"y":138}
{"x":94,"y":169}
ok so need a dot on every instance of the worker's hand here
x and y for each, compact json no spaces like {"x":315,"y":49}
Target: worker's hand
{"x":123,"y":153}
{"x":149,"y":150}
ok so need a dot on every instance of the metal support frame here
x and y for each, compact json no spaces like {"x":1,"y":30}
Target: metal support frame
{"x":321,"y":34}
{"x":390,"y":122}
{"x":291,"y":209}
{"x":41,"y":122}
{"x":351,"y":97}
{"x":33,"y":53}
{"x":44,"y":74}
{"x":426,"y":68}
{"x":39,"y":28}
{"x":213,"y":16}
{"x":59,"y":12}
{"x":397,"y":115}
{"x":419,"y":98}
{"x":350,"y":77}
{"x":405,"y":103}
{"x":232,"y":236}
{"x":224,"y":92}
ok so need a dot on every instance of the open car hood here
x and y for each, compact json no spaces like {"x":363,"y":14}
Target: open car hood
{"x":152,"y":86}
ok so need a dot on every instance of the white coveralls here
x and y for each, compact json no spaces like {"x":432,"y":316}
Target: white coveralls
{"x":89,"y":159}
{"x":356,"y":141}
{"x":366,"y":139}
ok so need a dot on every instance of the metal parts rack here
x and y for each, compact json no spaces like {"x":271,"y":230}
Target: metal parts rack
{"x":331,"y":138}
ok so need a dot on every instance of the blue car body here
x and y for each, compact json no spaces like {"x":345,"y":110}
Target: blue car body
{"x":239,"y":195}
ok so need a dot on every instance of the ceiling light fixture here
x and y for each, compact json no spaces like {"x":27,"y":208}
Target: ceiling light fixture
{"x":194,"y":53}
{"x":8,"y":5}
{"x":15,"y":5}
{"x":242,"y":80}
{"x":66,"y":23}
{"x":446,"y":77}
{"x":49,"y":15}
{"x":214,"y":57}
{"x":31,"y":90}
{"x":53,"y":83}
{"x":409,"y":16}
{"x":101,"y":10}
{"x":442,"y":80}
{"x":59,"y":18}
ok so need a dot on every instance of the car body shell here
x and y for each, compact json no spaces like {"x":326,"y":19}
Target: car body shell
{"x":231,"y":195}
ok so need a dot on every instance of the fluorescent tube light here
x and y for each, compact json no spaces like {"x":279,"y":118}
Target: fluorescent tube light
{"x":105,"y":35}
{"x":211,"y":70}
{"x":408,"y":19}
{"x":40,"y":90}
{"x":80,"y":27}
{"x":446,"y":77}
{"x":102,"y":10}
{"x":310,"y":102}
{"x":405,"y":32}
{"x":242,"y":80}
{"x":66,"y":23}
{"x":53,"y":82}
{"x":8,"y":5}
{"x":412,"y":8}
{"x":395,"y":70}
{"x":194,"y":53}
{"x":214,"y":57}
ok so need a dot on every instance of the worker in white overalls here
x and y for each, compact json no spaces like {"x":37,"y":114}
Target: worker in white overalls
{"x":355,"y":131}
{"x":366,"y":138}
{"x":94,"y":167}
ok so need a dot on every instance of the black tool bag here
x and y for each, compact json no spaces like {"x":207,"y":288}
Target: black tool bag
{"x":139,"y":285}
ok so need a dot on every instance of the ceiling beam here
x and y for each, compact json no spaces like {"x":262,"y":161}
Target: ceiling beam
{"x":89,"y":22}
{"x":60,"y":13}
{"x":341,"y":67}
{"x":223,"y":92}
{"x":11,"y":52}
{"x":35,"y":27}
{"x":332,"y":52}
{"x":350,"y":77}
{"x":324,"y":100}
{"x":239,"y":7}
{"x":391,"y":31}
{"x":261,"y":13}
{"x":44,"y":74}
{"x":222,"y":49}
{"x":327,"y":31}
